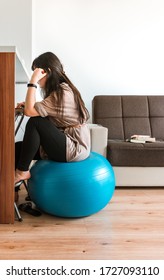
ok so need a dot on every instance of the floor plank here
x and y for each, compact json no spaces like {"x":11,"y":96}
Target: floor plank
{"x":129,"y":227}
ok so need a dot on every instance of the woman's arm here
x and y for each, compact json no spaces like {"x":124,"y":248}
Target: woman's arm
{"x":30,"y":100}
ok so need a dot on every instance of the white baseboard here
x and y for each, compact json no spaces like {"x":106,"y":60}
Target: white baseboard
{"x":139,"y":176}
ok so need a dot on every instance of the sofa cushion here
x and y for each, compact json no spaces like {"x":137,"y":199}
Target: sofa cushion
{"x":107,"y":111}
{"x":121,"y":153}
{"x":127,"y":115}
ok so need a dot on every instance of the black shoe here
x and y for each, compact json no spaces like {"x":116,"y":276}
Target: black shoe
{"x":27,"y":207}
{"x":17,"y":189}
{"x":16,"y":196}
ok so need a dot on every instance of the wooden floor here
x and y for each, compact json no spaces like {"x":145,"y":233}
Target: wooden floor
{"x":130,"y":227}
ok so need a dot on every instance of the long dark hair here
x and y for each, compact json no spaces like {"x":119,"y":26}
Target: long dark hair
{"x":55,"y":76}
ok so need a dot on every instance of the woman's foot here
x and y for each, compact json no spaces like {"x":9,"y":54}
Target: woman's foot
{"x":21,"y":175}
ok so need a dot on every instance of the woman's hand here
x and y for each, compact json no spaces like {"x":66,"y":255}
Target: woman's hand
{"x":37,"y":75}
{"x":20,"y":105}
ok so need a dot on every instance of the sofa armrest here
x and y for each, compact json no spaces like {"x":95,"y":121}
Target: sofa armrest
{"x":99,"y":138}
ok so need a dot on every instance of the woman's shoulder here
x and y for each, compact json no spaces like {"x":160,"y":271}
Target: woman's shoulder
{"x":66,"y":87}
{"x":67,"y":92}
{"x":68,"y":95}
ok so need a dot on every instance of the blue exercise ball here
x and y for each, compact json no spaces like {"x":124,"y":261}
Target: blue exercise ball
{"x":72,"y":189}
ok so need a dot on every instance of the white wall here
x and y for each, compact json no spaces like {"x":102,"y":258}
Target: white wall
{"x":16,"y":27}
{"x":16,"y":30}
{"x":106,"y":46}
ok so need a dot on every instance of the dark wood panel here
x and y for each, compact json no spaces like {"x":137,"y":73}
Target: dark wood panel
{"x":7,"y":147}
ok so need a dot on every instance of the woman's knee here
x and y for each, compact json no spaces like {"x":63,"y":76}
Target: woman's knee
{"x":34,"y":121}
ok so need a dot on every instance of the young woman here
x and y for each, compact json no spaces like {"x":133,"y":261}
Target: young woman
{"x":57,"y":128}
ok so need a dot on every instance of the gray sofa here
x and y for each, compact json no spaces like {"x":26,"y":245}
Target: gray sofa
{"x":134,"y":164}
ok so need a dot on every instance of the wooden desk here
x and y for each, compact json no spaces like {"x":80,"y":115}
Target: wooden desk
{"x":11,"y":71}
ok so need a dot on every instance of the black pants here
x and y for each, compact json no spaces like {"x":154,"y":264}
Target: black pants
{"x":40,"y":131}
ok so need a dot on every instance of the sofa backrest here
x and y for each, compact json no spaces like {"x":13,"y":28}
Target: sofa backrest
{"x":129,"y":114}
